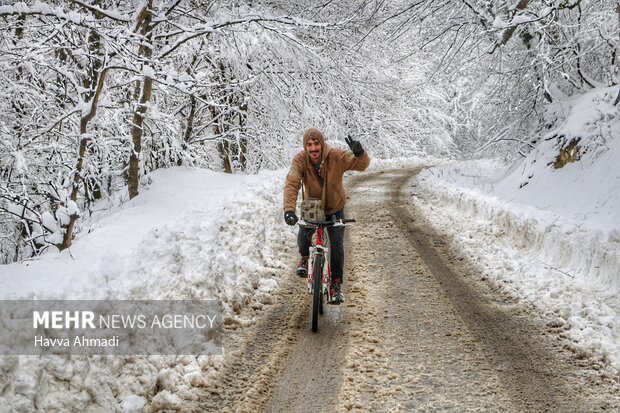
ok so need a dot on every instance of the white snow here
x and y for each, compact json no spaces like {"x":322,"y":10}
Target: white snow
{"x":560,"y":266}
{"x":132,"y":404}
{"x":148,"y":71}
{"x":73,"y":208}
{"x":20,"y":164}
{"x":550,"y":237}
{"x":191,"y":234}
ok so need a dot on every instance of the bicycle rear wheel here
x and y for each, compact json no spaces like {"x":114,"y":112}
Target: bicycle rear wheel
{"x":316,"y":290}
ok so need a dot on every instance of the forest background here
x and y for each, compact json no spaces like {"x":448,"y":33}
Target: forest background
{"x":95,"y":95}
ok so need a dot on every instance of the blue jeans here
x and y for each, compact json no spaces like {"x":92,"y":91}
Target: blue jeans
{"x":336,"y":245}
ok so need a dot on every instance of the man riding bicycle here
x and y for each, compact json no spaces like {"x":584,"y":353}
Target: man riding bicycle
{"x":320,"y":168}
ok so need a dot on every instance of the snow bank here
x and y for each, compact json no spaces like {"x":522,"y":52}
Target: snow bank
{"x":192,"y":234}
{"x":567,"y":271}
{"x":579,"y":182}
{"x":550,"y":236}
{"x":558,"y":239}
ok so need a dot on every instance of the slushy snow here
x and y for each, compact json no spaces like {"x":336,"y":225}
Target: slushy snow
{"x":190,"y":234}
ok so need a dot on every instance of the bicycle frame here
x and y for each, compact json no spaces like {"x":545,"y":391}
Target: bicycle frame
{"x":319,"y":284}
{"x":319,"y":249}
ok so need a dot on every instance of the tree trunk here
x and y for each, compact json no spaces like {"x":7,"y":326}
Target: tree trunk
{"x":243,"y":140}
{"x":508,"y":32}
{"x":224,"y":149}
{"x":143,"y":96}
{"x":93,"y":84}
{"x":189,"y":128}
{"x":77,"y":177}
{"x":68,"y":235}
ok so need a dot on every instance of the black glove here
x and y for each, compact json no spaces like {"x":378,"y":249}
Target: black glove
{"x":290,"y":218}
{"x":356,"y":146}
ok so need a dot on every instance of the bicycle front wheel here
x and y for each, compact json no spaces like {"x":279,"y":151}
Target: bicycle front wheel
{"x":316,"y":290}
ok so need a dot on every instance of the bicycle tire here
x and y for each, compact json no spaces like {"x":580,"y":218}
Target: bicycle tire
{"x":316,"y":290}
{"x":324,"y":297}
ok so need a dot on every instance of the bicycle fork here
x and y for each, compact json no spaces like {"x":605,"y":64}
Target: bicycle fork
{"x":319,"y":252}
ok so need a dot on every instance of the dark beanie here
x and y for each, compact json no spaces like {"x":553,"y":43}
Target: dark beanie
{"x":314,"y":134}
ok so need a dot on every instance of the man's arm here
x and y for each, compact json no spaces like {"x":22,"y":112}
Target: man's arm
{"x":352,"y":162}
{"x":292,"y":185}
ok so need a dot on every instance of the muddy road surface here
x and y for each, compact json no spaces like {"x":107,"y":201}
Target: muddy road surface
{"x":419,"y":332}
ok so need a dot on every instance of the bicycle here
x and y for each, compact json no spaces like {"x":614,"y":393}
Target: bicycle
{"x":318,"y":263}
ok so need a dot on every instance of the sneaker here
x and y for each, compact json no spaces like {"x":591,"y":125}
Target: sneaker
{"x":302,"y":267}
{"x":334,"y":292}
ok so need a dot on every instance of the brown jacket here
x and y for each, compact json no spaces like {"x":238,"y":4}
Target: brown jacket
{"x":335,"y":163}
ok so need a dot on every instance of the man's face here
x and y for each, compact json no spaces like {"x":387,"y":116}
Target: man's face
{"x":313,"y":147}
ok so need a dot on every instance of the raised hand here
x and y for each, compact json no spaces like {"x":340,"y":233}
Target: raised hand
{"x":356,"y":146}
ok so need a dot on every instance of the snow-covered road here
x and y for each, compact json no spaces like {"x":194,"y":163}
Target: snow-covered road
{"x":420,"y":332}
{"x":425,"y":327}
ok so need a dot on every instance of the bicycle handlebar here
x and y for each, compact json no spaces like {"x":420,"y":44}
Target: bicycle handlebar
{"x":338,"y":222}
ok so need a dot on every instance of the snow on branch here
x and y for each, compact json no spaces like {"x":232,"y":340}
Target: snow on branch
{"x":202,"y":30}
{"x":44,"y":9}
{"x":522,"y":17}
{"x":111,"y":14}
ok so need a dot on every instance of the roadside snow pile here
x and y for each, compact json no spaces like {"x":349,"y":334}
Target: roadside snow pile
{"x":547,"y":229}
{"x":192,"y":234}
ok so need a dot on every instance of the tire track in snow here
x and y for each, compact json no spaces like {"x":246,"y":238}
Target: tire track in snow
{"x":534,"y":374}
{"x":279,"y":364}
{"x":256,"y":355}
{"x":313,"y":375}
{"x":409,"y":351}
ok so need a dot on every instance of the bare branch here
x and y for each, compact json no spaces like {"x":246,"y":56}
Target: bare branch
{"x":98,"y":11}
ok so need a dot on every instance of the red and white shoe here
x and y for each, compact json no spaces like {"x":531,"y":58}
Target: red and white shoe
{"x":335,"y":294}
